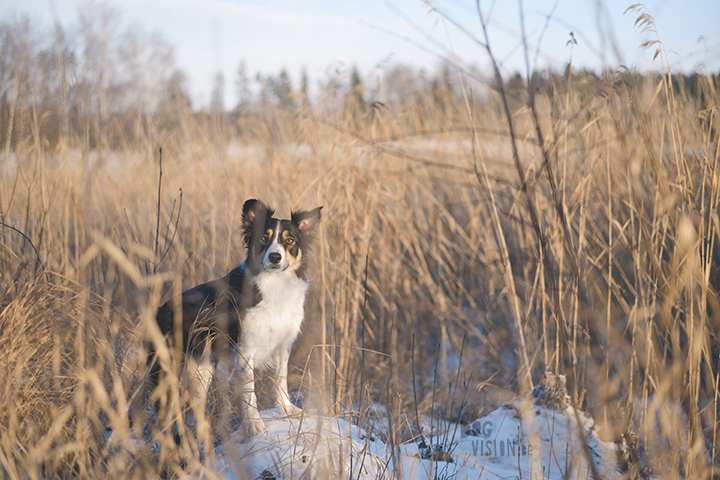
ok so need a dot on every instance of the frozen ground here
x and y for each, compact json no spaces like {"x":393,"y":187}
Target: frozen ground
{"x":539,"y":437}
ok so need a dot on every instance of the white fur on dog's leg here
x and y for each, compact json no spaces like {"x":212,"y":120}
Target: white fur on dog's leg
{"x":253,"y":426}
{"x":282,"y":397}
{"x":200,"y":377}
{"x":291,"y":410}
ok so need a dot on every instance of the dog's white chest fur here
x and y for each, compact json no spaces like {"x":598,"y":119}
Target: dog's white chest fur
{"x":273,"y":324}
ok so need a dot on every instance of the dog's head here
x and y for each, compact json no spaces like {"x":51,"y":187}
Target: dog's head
{"x":275,"y":245}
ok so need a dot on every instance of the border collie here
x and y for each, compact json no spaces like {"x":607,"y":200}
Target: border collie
{"x":254,"y":312}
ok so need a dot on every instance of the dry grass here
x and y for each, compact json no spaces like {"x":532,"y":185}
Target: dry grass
{"x":428,"y":241}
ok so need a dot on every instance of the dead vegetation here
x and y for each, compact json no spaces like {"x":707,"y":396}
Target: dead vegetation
{"x":584,"y":242}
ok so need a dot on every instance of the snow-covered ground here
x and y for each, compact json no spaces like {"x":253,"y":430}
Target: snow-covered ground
{"x":538,"y":437}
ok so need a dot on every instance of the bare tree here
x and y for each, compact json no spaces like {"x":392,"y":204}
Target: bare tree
{"x":17,"y":46}
{"x":62,"y":59}
{"x":400,"y":83}
{"x":97,"y":23}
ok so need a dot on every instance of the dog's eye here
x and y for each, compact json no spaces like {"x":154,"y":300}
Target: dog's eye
{"x":290,"y":241}
{"x":264,"y":238}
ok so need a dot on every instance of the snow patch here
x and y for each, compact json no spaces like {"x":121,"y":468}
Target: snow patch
{"x":306,"y":446}
{"x":523,"y":439}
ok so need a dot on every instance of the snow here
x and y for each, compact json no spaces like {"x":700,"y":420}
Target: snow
{"x":294,"y":447}
{"x":523,"y":439}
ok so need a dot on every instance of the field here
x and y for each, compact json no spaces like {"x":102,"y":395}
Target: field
{"x":564,"y":222}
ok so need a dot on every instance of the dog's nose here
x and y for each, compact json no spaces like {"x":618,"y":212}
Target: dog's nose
{"x":274,"y":258}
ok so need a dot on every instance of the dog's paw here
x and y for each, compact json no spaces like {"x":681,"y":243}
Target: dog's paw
{"x":291,"y":410}
{"x":253,"y":426}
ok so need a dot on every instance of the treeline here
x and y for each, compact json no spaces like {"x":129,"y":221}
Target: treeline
{"x":98,"y":87}
{"x":93,"y":87}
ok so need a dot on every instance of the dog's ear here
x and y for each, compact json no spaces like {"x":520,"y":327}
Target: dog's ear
{"x":251,"y":210}
{"x":306,"y":221}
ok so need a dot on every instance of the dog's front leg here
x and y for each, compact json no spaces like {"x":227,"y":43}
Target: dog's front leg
{"x":252,"y":425}
{"x":281,"y":390}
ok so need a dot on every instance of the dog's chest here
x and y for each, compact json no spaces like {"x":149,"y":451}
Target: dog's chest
{"x":275,"y":321}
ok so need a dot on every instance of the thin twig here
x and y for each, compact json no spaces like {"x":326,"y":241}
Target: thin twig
{"x":412,"y":359}
{"x":362,"y":337}
{"x":157,"y":226}
{"x":47,"y":277}
{"x":168,"y":244}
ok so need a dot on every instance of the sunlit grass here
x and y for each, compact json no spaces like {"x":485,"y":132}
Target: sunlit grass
{"x":427,"y":241}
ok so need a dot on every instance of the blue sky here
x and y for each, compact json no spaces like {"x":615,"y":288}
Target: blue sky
{"x":318,"y":35}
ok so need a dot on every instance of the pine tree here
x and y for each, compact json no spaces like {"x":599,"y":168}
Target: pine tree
{"x":357,"y":88}
{"x":242,"y":89}
{"x":304,"y":85}
{"x":217,"y":101}
{"x":282,"y":88}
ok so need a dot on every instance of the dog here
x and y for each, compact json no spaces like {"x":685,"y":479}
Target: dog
{"x":254,"y":313}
